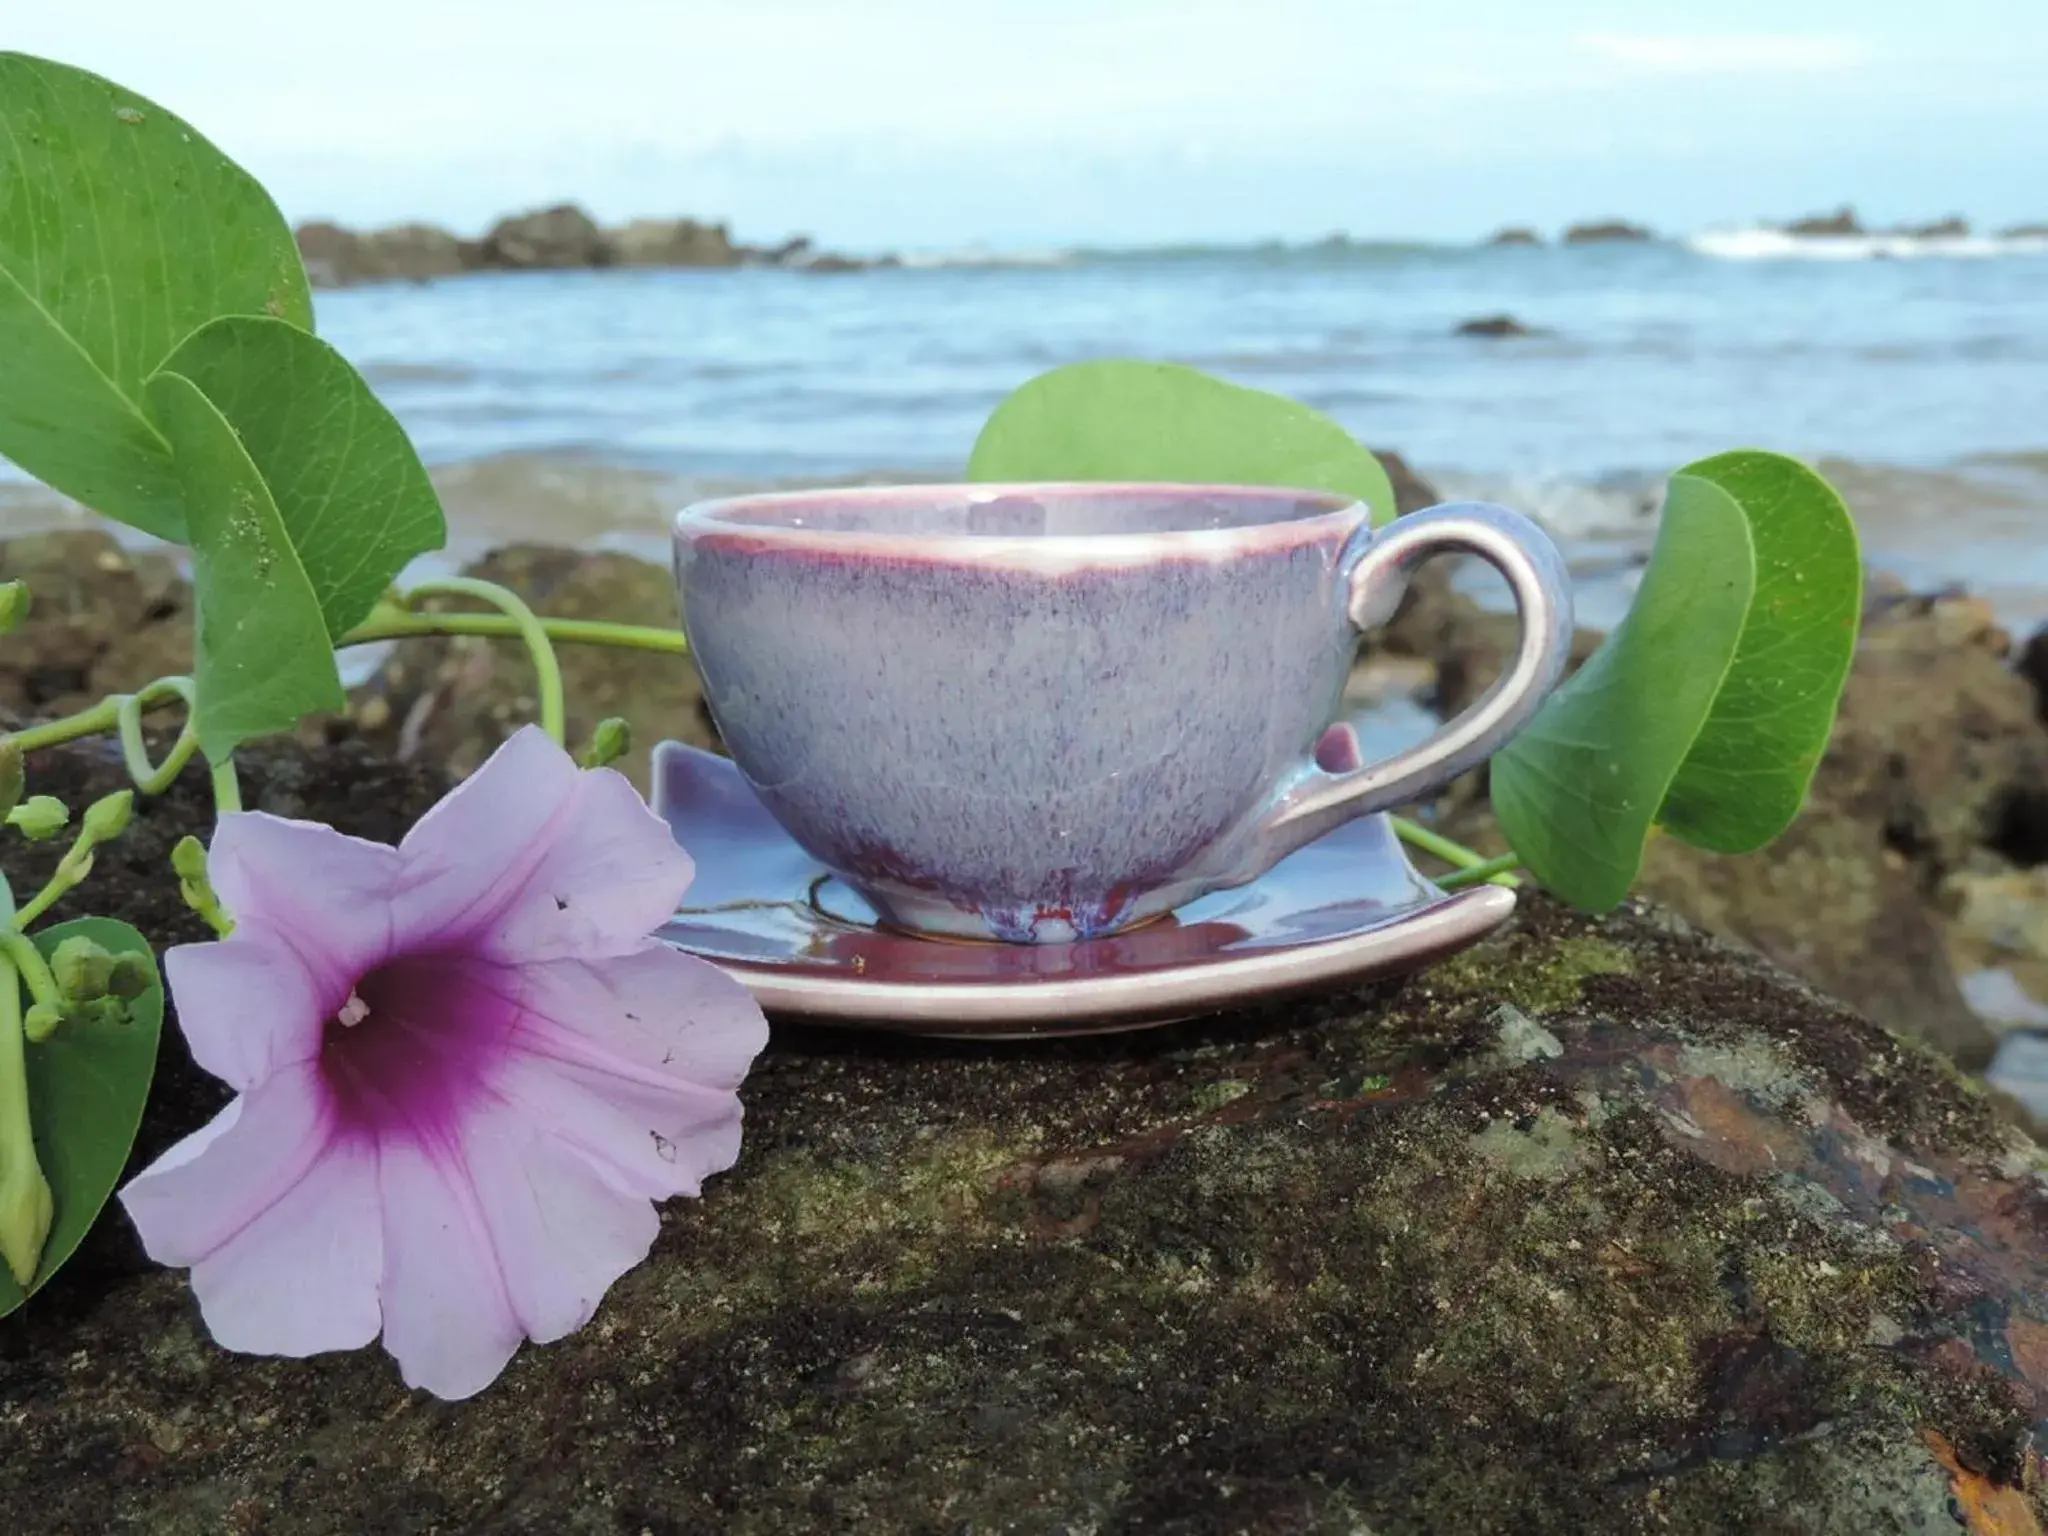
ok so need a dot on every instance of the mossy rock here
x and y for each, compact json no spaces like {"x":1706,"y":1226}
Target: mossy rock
{"x":1602,"y":1227}
{"x":102,"y":619}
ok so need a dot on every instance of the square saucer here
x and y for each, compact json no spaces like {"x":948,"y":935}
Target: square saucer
{"x":1343,"y":909}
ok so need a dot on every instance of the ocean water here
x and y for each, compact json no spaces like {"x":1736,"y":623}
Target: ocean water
{"x":585,"y":406}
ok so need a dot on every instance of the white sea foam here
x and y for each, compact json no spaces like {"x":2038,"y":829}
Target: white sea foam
{"x":1567,"y":507}
{"x":977,"y":256}
{"x":1760,"y":244}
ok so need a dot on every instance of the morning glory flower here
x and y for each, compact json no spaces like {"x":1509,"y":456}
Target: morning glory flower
{"x":464,"y":1073}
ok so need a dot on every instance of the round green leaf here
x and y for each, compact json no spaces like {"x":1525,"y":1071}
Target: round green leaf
{"x":265,"y":659}
{"x":1708,"y":709}
{"x":350,"y":491}
{"x":86,"y":1088}
{"x":1578,"y":791}
{"x":1747,"y":774}
{"x":121,"y":231}
{"x":1117,"y":420}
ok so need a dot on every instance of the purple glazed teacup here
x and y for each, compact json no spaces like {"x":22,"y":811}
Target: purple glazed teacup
{"x":1044,"y":712}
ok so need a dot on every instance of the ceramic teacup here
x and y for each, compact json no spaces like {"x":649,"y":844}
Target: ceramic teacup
{"x":1044,"y":712}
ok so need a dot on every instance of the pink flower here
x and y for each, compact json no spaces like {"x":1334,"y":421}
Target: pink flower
{"x":464,"y":1072}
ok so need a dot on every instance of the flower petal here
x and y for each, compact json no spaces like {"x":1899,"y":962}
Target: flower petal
{"x":325,"y":895}
{"x":447,"y":1319}
{"x":302,"y":1277}
{"x":562,"y":1233}
{"x":654,"y":1140}
{"x":466,"y":857}
{"x":611,"y":877}
{"x":206,"y":1189}
{"x":657,"y":1010}
{"x":534,"y":858}
{"x":275,"y":1216}
{"x":246,"y":1005}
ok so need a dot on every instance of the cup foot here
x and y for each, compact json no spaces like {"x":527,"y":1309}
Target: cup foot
{"x":923,"y":915}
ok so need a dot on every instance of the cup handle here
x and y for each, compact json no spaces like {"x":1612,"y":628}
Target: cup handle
{"x":1375,"y":569}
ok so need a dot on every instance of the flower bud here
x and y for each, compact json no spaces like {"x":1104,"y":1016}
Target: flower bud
{"x":25,"y":1208}
{"x":82,"y":968}
{"x":129,"y":978}
{"x":107,"y":819}
{"x":39,"y":818}
{"x":41,"y":1022}
{"x":188,"y":859}
{"x":612,"y":740}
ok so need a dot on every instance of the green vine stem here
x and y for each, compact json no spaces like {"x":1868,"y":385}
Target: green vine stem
{"x":554,"y":715}
{"x":227,"y":787}
{"x":1469,"y":867}
{"x":102,"y":717}
{"x":1487,"y":871}
{"x":35,"y":970}
{"x":71,"y":869}
{"x":25,"y":1208}
{"x":390,"y":623}
{"x":153,"y":778}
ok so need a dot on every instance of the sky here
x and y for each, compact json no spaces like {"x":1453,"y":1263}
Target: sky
{"x":938,"y":124}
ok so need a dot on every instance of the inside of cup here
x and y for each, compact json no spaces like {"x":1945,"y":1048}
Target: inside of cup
{"x":1028,"y":511}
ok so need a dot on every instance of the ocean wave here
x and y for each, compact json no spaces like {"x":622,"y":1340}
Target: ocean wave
{"x":977,"y":257}
{"x":1621,"y":508}
{"x":1761,"y":244}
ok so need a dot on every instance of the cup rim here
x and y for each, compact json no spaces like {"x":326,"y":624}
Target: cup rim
{"x":1316,"y":511}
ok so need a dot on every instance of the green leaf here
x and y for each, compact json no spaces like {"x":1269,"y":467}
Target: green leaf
{"x":1578,"y":791}
{"x":86,"y":1088}
{"x":265,"y":659}
{"x":122,"y":230}
{"x":1118,"y":420}
{"x":354,"y":498}
{"x":1708,"y":709}
{"x":1749,"y":771}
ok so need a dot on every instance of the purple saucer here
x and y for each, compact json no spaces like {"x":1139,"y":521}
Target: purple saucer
{"x":1346,"y":907}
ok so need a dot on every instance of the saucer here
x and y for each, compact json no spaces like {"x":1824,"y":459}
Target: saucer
{"x":1346,"y":907}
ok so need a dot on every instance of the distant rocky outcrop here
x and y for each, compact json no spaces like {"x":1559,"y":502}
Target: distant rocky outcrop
{"x":1842,"y":222}
{"x":336,"y":257}
{"x":563,"y":237}
{"x":1606,"y":232}
{"x":1515,"y":235}
{"x":1498,"y":325}
{"x":1950,"y":228}
{"x":548,"y":240}
{"x":682,"y":243}
{"x":2024,"y":232}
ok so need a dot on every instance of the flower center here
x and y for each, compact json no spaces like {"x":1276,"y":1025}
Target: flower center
{"x":417,"y":1041}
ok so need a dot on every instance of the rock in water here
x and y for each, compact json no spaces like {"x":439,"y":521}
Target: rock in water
{"x":1607,"y":232}
{"x":337,"y":258}
{"x":1497,"y":326}
{"x":1954,"y":227}
{"x":1600,"y":1227}
{"x":562,"y":237}
{"x":1837,"y":225}
{"x":674,"y":243}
